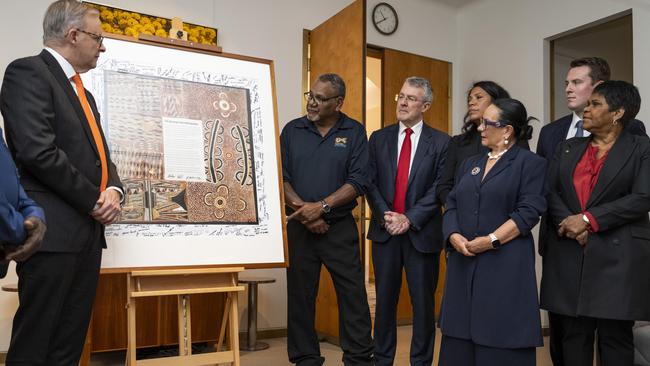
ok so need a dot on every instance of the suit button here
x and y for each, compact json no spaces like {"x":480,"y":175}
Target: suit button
{"x":98,"y":163}
{"x":475,"y":212}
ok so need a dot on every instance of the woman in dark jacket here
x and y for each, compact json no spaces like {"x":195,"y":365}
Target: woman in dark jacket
{"x":596,"y":274}
{"x":468,"y":143}
{"x":490,"y":314}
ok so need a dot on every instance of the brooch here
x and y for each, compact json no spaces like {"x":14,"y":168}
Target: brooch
{"x":476,"y":170}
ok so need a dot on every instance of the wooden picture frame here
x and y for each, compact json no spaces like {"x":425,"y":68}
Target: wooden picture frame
{"x":127,"y":84}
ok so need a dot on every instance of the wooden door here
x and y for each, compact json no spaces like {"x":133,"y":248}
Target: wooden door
{"x":339,"y":46}
{"x":397,"y":66}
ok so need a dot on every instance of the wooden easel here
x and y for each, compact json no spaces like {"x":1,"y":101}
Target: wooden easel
{"x":183,"y":283}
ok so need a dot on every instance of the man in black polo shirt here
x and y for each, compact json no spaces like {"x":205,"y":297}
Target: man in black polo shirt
{"x":324,"y":158}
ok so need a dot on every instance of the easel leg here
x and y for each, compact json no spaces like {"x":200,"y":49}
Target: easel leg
{"x":130,"y":351}
{"x":184,"y":326}
{"x":224,"y":319}
{"x":234,"y":328}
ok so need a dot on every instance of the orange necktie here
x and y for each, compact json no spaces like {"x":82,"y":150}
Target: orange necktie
{"x":81,"y":93}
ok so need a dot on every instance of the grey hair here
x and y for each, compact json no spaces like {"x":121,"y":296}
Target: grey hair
{"x":336,"y":81}
{"x":61,"y":16}
{"x":422,"y":83}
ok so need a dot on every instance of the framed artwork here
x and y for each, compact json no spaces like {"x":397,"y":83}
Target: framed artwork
{"x":194,"y":136}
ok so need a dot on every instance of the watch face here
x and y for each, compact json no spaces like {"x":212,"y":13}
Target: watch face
{"x":384,"y":17}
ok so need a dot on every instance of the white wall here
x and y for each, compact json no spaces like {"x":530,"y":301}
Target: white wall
{"x":427,"y":28}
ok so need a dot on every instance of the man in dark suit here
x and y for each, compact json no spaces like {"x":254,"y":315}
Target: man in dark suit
{"x":405,"y":162}
{"x":583,"y":76}
{"x":22,"y":221}
{"x":54,"y":133}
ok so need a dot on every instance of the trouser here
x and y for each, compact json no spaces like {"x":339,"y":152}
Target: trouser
{"x":464,"y":352}
{"x":572,"y":340}
{"x":421,"y":275}
{"x":338,"y":251}
{"x":56,"y":294}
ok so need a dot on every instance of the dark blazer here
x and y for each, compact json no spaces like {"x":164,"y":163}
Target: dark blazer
{"x":15,"y":206}
{"x":550,"y":137}
{"x":555,"y":132}
{"x":610,"y":276}
{"x":422,"y":205}
{"x":492,"y":298}
{"x":54,"y":150}
{"x":460,"y":148}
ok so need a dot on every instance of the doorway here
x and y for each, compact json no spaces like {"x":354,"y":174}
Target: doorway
{"x":609,"y":38}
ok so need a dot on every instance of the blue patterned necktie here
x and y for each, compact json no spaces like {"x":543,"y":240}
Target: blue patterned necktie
{"x":579,"y":131}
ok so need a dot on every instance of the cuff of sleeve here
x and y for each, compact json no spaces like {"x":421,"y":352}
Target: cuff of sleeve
{"x":521,"y":224}
{"x":593,"y":224}
{"x":119,"y":190}
{"x":357,"y":187}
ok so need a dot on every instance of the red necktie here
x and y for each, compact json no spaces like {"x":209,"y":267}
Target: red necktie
{"x":94,"y":128}
{"x":402,"y":178}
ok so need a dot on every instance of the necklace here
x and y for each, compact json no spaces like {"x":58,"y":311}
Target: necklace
{"x":497,"y":156}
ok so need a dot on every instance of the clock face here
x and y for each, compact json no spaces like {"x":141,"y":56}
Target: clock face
{"x":384,"y":17}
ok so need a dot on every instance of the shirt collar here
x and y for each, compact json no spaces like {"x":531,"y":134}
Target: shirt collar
{"x":575,"y":119}
{"x":416,"y":127}
{"x":68,"y":70}
{"x":342,"y":123}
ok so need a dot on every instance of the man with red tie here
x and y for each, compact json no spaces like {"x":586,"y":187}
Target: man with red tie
{"x":55,"y":136}
{"x":405,"y":163}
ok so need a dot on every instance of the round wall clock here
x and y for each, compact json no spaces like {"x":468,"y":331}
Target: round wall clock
{"x":384,"y":18}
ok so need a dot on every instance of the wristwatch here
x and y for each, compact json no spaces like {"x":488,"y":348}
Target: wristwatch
{"x":326,"y":208}
{"x":496,"y":244}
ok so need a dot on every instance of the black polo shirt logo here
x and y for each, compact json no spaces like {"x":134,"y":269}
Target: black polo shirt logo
{"x":341,"y":142}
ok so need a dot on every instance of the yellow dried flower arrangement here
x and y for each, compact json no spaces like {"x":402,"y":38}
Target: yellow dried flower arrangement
{"x":120,"y":21}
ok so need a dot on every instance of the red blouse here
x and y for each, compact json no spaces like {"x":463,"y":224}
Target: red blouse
{"x":585,"y":177}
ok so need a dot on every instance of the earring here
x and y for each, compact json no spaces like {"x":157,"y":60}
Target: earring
{"x":615,"y":122}
{"x":505,"y":141}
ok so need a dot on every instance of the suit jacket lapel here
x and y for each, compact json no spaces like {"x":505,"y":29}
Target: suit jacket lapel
{"x":618,"y":155}
{"x":423,"y":146}
{"x":391,"y":145}
{"x":569,"y":159}
{"x":564,"y":127}
{"x":59,"y":75}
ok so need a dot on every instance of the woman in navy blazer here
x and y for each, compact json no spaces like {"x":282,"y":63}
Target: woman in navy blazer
{"x":490,"y":313}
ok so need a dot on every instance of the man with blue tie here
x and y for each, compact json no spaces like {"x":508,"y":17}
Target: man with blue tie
{"x":405,"y":162}
{"x":583,"y":76}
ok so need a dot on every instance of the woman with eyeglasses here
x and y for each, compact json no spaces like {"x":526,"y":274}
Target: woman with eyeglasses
{"x":490,"y":314}
{"x":468,"y":143}
{"x":596,"y":274}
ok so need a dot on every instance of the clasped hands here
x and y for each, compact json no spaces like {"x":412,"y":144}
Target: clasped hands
{"x":35,"y":229}
{"x":470,"y":248}
{"x":396,"y":223}
{"x":574,"y":227}
{"x":309,"y":214}
{"x":107,"y":208}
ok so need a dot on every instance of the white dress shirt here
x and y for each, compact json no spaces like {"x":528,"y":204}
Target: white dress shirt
{"x":69,"y":72}
{"x":415,"y":137}
{"x":573,"y":129}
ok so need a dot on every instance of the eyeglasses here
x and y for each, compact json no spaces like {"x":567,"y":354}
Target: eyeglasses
{"x":497,"y":124}
{"x":97,"y":37}
{"x":409,"y":98}
{"x":309,"y":97}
